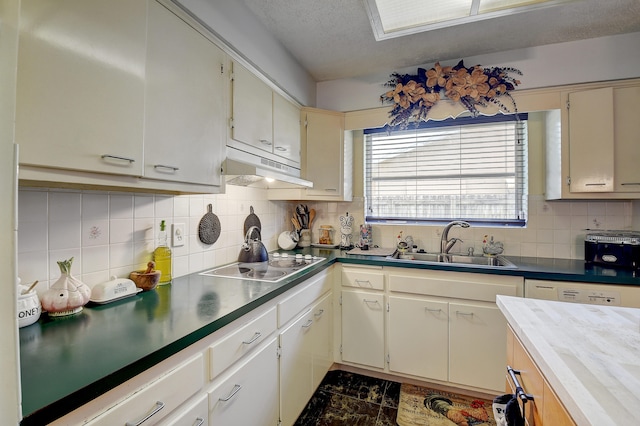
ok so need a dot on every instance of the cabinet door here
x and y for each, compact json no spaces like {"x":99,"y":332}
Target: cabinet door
{"x":248,"y":395}
{"x":477,"y":342}
{"x":80,"y":87}
{"x":252,"y":110}
{"x":418,"y":337}
{"x":363,"y":328}
{"x":324,"y":152}
{"x":286,"y":129}
{"x":591,"y":140}
{"x":185,"y":121}
{"x":296,"y":347}
{"x":627,"y":145}
{"x":321,"y":336}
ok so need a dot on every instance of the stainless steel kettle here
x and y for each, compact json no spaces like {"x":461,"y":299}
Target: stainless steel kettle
{"x":252,"y":250}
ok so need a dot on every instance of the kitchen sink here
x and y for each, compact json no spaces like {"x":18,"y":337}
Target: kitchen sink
{"x":455,"y":259}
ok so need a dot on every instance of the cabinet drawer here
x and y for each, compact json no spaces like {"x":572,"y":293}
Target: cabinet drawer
{"x":159,"y":398}
{"x":232,"y":347}
{"x":456,"y":285}
{"x":248,"y":393}
{"x":294,"y":304}
{"x":362,"y":278}
{"x":195,"y":413}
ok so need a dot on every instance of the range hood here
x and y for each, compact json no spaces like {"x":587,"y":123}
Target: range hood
{"x":247,"y":169}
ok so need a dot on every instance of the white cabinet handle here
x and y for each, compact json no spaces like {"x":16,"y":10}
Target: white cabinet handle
{"x":307,"y":324}
{"x":166,"y":167}
{"x":253,"y":339}
{"x":233,"y":393}
{"x":360,"y":282}
{"x":117,"y":157}
{"x":159,"y":406}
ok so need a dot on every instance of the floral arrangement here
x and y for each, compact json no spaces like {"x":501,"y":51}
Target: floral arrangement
{"x":414,"y":95}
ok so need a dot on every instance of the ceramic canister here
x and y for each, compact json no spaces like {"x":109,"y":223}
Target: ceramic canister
{"x":29,"y":308}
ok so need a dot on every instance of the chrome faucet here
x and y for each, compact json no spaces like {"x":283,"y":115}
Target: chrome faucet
{"x":445,"y":243}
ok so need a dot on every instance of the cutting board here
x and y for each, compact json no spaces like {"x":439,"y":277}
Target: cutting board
{"x":373,"y":251}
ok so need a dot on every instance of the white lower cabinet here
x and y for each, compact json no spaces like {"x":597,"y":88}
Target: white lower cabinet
{"x":157,"y":399}
{"x":247,"y":394}
{"x":306,"y":354}
{"x":363,"y":328}
{"x":195,"y":413}
{"x":419,"y":337}
{"x":476,"y":345}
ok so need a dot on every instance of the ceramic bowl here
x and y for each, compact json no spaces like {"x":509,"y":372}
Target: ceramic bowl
{"x":29,"y":308}
{"x":145,"y":281}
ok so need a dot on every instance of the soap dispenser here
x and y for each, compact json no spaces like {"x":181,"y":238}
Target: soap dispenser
{"x":162,"y":256}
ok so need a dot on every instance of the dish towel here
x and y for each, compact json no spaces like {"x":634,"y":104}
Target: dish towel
{"x":506,"y":411}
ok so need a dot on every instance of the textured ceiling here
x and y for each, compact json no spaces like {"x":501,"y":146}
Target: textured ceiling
{"x":332,"y":39}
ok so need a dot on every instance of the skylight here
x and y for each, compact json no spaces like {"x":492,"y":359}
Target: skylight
{"x":395,"y":18}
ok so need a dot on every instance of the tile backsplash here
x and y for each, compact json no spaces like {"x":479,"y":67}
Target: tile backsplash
{"x":111,"y":233}
{"x":115,"y":233}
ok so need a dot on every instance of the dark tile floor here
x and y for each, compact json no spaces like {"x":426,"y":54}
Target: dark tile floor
{"x":345,"y":398}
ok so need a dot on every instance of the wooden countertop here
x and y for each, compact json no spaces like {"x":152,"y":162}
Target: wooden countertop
{"x":589,"y":354}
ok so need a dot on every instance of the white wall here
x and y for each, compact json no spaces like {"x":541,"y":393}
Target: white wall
{"x":115,"y":233}
{"x":236,"y":25}
{"x":599,"y":59}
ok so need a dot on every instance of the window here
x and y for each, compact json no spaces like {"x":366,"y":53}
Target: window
{"x":473,"y":169}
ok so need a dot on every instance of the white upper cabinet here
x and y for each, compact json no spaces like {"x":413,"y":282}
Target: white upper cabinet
{"x":592,"y":146}
{"x":263,"y":119}
{"x":286,"y":129}
{"x":80,"y":88}
{"x":252,"y":117}
{"x":185,"y":122}
{"x":591,"y":139}
{"x":627,"y":133}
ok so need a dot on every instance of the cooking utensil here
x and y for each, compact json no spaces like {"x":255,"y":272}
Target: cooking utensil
{"x":301,"y":214}
{"x":209,"y":227}
{"x":30,"y":287}
{"x":312,"y":215}
{"x":252,"y":249}
{"x":252,"y":220}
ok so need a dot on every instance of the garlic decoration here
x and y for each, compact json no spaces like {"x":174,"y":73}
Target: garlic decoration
{"x":67,"y":295}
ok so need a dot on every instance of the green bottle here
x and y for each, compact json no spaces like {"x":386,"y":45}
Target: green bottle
{"x":162,"y":256}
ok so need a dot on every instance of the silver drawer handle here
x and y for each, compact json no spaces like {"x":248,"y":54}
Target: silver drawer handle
{"x":265,"y":142}
{"x":594,"y":184}
{"x":630,"y":183}
{"x":281,"y":148}
{"x":233,"y":393}
{"x":468,"y":314}
{"x":166,"y":167}
{"x":253,"y":339}
{"x":360,"y":282}
{"x":117,"y":157}
{"x":432,"y":310}
{"x":319,"y":313}
{"x":307,"y":324}
{"x":371,"y":301}
{"x":159,"y":406}
{"x":199,"y":421}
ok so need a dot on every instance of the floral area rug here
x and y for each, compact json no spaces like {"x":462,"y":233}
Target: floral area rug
{"x":420,"y":406}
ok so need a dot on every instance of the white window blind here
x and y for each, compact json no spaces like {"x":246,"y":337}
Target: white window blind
{"x":471,"y":169}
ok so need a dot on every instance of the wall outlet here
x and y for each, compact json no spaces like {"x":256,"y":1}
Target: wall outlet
{"x":177,"y":234}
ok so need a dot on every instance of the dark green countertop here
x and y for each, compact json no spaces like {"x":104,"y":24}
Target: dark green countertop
{"x":67,"y":362}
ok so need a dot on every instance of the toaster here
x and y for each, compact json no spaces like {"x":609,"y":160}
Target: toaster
{"x":619,"y":249}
